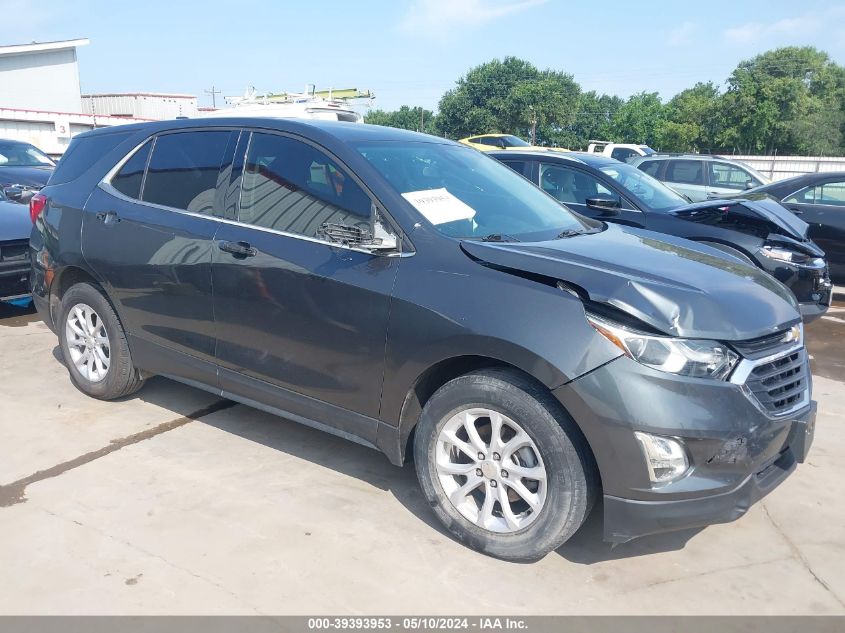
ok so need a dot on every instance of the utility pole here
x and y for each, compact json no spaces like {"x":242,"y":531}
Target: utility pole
{"x":213,"y":94}
{"x":422,"y":119}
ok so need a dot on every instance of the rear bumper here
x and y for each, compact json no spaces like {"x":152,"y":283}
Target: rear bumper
{"x":626,"y":519}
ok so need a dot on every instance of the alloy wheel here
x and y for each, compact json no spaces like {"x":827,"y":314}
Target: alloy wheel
{"x":88,"y":342}
{"x":491,"y":470}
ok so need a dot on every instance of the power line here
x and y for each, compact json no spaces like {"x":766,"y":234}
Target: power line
{"x":213,"y":94}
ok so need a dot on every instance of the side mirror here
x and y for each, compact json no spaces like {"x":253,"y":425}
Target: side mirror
{"x":604,"y":203}
{"x":749,"y":184}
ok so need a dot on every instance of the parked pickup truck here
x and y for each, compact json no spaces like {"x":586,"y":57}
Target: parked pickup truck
{"x":619,"y":151}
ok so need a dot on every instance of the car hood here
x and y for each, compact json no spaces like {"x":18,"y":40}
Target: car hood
{"x":675,"y":286}
{"x":29,"y":176}
{"x":14,"y":221}
{"x":778,"y":217}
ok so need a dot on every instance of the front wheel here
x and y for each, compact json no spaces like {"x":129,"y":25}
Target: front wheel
{"x":502,"y":464}
{"x":94,"y":345}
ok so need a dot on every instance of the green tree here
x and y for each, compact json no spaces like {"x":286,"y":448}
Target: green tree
{"x":509,"y":96}
{"x":692,"y":120}
{"x":638,"y":119}
{"x":406,"y":117}
{"x":592,"y":120}
{"x":775,"y":101}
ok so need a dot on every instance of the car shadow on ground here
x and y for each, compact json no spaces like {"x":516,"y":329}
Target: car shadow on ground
{"x":370,"y":466}
{"x":325,"y":450}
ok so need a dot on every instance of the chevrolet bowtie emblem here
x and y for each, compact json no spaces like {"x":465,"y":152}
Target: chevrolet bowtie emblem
{"x":793,"y":334}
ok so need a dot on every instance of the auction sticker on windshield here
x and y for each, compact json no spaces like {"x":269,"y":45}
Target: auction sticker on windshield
{"x":439,"y":206}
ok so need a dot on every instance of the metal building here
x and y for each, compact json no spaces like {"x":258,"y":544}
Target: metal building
{"x":40,"y":76}
{"x":40,"y":101}
{"x":143,"y":105}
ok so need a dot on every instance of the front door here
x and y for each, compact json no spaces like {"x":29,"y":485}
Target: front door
{"x":725,"y":179}
{"x":301,"y":321}
{"x":147,"y":233}
{"x":575,"y":187}
{"x":823,"y":208}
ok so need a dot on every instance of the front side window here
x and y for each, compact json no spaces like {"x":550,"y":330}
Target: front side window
{"x":832,"y":194}
{"x":623,"y":153}
{"x":129,"y":178}
{"x":570,"y":185}
{"x":290,"y":186}
{"x":807,"y":195}
{"x":687,"y":172}
{"x":183,"y":170}
{"x":652,"y":194}
{"x":727,"y":176}
{"x":466,"y":194}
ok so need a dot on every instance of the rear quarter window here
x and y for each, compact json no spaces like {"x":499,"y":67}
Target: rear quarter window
{"x":83,"y":153}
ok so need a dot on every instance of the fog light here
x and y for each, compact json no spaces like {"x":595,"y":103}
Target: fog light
{"x":665,"y":457}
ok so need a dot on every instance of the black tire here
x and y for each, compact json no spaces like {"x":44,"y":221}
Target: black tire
{"x":122,"y":378}
{"x":572,"y":477}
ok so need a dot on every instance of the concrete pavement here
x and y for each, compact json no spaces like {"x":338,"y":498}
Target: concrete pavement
{"x":175,"y":502}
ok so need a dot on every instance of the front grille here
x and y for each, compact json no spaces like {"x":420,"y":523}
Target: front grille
{"x":763,"y":346}
{"x":780,"y":384}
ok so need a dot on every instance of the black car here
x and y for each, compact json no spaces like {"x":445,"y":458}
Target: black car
{"x":416,"y":296}
{"x":15,"y":227}
{"x":24,"y":169}
{"x":759,"y":231}
{"x":819,"y":199}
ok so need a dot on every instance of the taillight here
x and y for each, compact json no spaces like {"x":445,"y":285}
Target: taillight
{"x":36,"y":206}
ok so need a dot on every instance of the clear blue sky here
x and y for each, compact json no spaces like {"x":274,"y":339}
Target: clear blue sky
{"x":411,"y":51}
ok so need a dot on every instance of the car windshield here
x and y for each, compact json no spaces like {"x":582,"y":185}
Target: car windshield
{"x":466,"y":194}
{"x":23,"y":155}
{"x":653,"y":194}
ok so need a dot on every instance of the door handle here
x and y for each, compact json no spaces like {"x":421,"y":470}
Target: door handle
{"x":238,"y":249}
{"x":108,"y":217}
{"x":796,"y":210}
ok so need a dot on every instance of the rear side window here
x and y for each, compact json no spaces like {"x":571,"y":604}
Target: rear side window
{"x":128,"y":180}
{"x":83,"y":153}
{"x":651,"y":167}
{"x":622,"y":153}
{"x":519,"y":166}
{"x":183,"y":170}
{"x":687,"y":172}
{"x":290,"y":186}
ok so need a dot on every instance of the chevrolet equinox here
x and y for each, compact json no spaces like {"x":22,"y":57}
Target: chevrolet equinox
{"x":415,"y":296}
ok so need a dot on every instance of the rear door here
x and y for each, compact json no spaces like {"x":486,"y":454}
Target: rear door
{"x":823,"y":208}
{"x":687,"y":177}
{"x":301,"y":321}
{"x":147,"y":232}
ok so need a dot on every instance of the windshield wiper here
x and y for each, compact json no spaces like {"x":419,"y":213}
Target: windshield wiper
{"x":499,"y":237}
{"x":573,"y":232}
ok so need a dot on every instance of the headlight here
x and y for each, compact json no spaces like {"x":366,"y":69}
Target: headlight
{"x":686,"y":357}
{"x":791,"y":257}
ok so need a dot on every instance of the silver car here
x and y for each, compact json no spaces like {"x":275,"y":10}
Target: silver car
{"x":700,"y":177}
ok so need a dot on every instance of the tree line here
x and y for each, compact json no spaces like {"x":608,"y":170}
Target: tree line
{"x":787,"y":101}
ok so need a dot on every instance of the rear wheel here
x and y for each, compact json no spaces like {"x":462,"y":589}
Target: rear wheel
{"x":94,"y":345}
{"x":503,"y":466}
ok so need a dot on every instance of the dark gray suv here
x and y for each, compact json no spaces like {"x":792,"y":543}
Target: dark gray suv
{"x":420,"y":298}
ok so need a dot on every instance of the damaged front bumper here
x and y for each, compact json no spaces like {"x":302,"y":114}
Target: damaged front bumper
{"x":738,"y":450}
